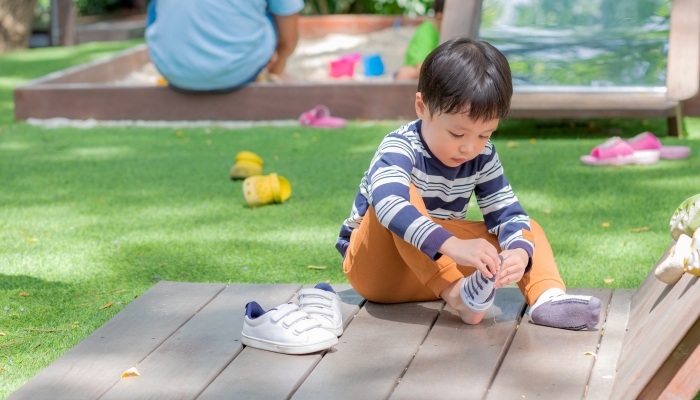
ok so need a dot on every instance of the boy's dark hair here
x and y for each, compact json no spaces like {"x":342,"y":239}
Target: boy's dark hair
{"x":438,"y":6}
{"x":466,"y":76}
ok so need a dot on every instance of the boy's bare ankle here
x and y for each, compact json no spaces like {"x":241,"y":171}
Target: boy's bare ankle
{"x":451,"y":296}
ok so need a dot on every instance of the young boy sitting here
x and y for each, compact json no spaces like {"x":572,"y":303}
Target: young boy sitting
{"x":407,"y":238}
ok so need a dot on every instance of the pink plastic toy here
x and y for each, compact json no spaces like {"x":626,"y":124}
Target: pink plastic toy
{"x":345,"y":65}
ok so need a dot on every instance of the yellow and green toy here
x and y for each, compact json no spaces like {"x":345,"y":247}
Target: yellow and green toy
{"x":684,"y":256}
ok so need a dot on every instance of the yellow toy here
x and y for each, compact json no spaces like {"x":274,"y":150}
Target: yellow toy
{"x":266,"y":189}
{"x":247,"y":164}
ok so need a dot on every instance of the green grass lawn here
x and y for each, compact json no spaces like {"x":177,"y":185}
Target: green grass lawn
{"x":89,"y":217}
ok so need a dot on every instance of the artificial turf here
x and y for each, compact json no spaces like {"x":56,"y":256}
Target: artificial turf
{"x":89,"y":217}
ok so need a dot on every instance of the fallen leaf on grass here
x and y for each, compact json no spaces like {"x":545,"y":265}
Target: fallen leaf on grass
{"x":589,"y":353}
{"x":609,"y":280}
{"x":106,"y":305}
{"x":637,"y":230}
{"x":8,"y":344}
{"x":328,"y":281}
{"x":512,"y":144}
{"x":43,"y":330}
{"x":606,"y":224}
{"x":533,"y":140}
{"x":2,"y":369}
{"x":316,"y":267}
{"x":32,"y":240}
{"x":2,"y":333}
{"x":547,"y":211}
{"x":130,"y":372}
{"x":23,"y":294}
{"x":624,"y":242}
{"x":179,"y":134}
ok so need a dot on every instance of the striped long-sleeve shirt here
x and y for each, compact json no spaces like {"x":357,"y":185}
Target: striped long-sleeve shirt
{"x":404,"y":158}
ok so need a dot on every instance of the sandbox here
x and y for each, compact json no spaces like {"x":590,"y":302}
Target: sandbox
{"x":124,"y":86}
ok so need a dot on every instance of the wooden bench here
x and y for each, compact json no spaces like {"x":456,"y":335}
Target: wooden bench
{"x":184,"y":339}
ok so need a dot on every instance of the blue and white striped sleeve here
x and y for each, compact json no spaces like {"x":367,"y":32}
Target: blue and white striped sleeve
{"x":503,"y":214}
{"x":389,"y":184}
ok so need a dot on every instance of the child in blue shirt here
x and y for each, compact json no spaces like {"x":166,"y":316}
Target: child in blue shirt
{"x":406,"y":238}
{"x":219,"y":45}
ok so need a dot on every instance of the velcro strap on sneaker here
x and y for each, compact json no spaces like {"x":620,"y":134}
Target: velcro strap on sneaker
{"x":293,"y":318}
{"x":314,"y":302}
{"x":315,"y":292}
{"x":283,"y":311}
{"x":304,"y":325}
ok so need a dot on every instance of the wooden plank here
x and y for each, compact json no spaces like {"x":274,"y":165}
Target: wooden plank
{"x":678,"y":377}
{"x":90,"y":368}
{"x":373,"y":353}
{"x":270,"y":101}
{"x":248,"y":376}
{"x":253,"y":102}
{"x":660,"y":327}
{"x":184,"y":365}
{"x":682,"y":79}
{"x":549,"y":363}
{"x":600,"y":385}
{"x":459,"y":361}
{"x":460,"y":18}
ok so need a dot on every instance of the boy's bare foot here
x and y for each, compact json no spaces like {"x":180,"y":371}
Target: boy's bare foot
{"x":453,"y":299}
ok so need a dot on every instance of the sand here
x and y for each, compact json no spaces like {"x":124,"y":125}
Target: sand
{"x":311,"y":58}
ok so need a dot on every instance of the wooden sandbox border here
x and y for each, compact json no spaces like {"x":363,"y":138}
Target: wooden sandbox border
{"x":85,"y":91}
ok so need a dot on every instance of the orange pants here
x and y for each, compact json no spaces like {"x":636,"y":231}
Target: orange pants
{"x":384,"y":268}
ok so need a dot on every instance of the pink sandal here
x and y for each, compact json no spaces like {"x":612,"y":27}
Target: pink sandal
{"x":616,"y":151}
{"x":320,"y":117}
{"x":647,"y":141}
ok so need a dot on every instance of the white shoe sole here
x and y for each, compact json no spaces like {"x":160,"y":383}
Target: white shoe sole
{"x":286,"y":348}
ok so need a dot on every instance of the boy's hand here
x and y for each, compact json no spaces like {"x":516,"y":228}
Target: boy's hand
{"x":478,"y":253}
{"x":513,"y":267}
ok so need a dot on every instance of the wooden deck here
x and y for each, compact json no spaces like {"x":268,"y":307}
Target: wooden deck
{"x":184,"y":339}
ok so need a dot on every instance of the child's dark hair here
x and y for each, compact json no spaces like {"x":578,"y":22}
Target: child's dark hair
{"x":466,"y":76}
{"x":438,"y":6}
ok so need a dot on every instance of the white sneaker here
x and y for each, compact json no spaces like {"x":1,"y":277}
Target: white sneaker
{"x":284,"y":329}
{"x":322,"y":303}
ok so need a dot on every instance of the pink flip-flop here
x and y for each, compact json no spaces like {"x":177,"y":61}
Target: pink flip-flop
{"x":616,"y":151}
{"x":320,"y":117}
{"x":647,"y":141}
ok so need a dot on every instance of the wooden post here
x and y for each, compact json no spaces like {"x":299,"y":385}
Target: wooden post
{"x":460,"y":17}
{"x":63,"y":23}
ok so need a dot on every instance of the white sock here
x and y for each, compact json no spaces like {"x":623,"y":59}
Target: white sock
{"x":477,"y":291}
